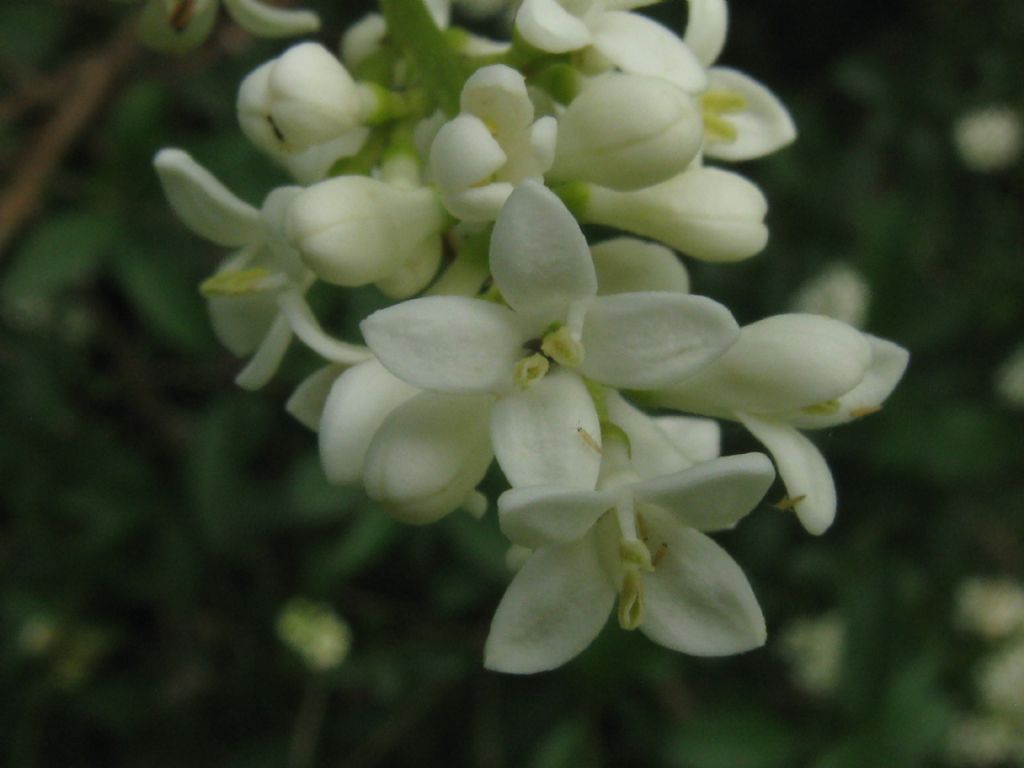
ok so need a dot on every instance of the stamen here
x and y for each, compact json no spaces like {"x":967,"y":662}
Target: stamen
{"x":530,"y":369}
{"x":561,"y":347}
{"x":239,"y":282}
{"x":867,"y":410}
{"x":826,"y":408}
{"x":788,"y":502}
{"x":631,"y":600}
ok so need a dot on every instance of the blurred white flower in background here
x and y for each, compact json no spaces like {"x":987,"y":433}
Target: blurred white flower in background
{"x":315,"y":632}
{"x":839,"y":291}
{"x":989,"y":139}
{"x":813,"y":648}
{"x":1009,"y":381}
{"x":992,"y":608}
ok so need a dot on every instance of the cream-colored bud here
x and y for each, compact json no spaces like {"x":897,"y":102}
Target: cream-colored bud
{"x":353,"y":230}
{"x":175,"y":26}
{"x":303,"y":98}
{"x":706,"y":213}
{"x":780,"y":363}
{"x":627,"y":132}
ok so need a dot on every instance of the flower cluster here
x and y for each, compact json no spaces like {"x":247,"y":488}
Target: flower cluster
{"x":993,"y":734}
{"x":455,"y":173}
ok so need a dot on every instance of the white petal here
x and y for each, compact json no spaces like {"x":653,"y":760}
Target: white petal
{"x":203,"y":204}
{"x":698,"y":600}
{"x":543,"y":140}
{"x":359,"y":401}
{"x":447,"y":343}
{"x":648,"y":340}
{"x":697,"y":439}
{"x":308,"y":329}
{"x":651,"y":452}
{"x":264,"y":364}
{"x":714,"y":495}
{"x":266,"y":21}
{"x":802,"y":468}
{"x":549,"y":434}
{"x":888,"y":364}
{"x":780,"y":364}
{"x":542,"y":515}
{"x":497,"y":95}
{"x":629,"y":265}
{"x":478,"y":204}
{"x":307,"y":401}
{"x":313,"y":164}
{"x":763,"y":127}
{"x":429,"y":455}
{"x":464,"y":153}
{"x":706,"y":29}
{"x":642,"y":46}
{"x":546,"y":25}
{"x":417,"y":273}
{"x":555,"y":606}
{"x":539,"y":256}
{"x":440,"y":11}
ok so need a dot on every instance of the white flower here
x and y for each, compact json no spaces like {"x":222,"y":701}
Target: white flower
{"x":989,"y":139}
{"x":813,"y":647}
{"x":315,"y":632}
{"x":640,"y":541}
{"x":420,"y":454}
{"x":611,"y":37}
{"x":980,"y":740}
{"x":177,"y":25}
{"x":627,"y":132}
{"x":628,"y":265}
{"x":354,"y":230}
{"x":477,"y":158}
{"x":838,"y":291}
{"x":706,"y":213}
{"x":255,"y":297}
{"x":1001,"y":681}
{"x":743,"y":120}
{"x":791,"y":372}
{"x":992,"y":608}
{"x":543,"y":270}
{"x":1009,"y":380}
{"x":303,"y":98}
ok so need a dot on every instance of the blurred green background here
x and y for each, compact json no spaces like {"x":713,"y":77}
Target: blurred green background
{"x":156,"y":520}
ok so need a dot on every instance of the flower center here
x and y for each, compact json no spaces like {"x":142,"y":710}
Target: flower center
{"x":715,"y":106}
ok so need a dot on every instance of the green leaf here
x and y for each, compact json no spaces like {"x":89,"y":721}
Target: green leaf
{"x":162,"y":289}
{"x":568,"y":744}
{"x":434,"y":60}
{"x":63,"y":252}
{"x":367,"y":539}
{"x":735,"y":738}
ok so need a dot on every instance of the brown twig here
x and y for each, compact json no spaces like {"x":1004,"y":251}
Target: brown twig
{"x":85,"y":92}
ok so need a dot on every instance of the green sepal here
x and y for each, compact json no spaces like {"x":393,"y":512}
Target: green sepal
{"x":434,"y":60}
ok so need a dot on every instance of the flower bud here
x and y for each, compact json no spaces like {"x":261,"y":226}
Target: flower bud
{"x":627,"y":132}
{"x":353,"y":230}
{"x":302,"y":98}
{"x":706,"y":213}
{"x":175,"y":26}
{"x":781,"y":363}
{"x":429,"y":455}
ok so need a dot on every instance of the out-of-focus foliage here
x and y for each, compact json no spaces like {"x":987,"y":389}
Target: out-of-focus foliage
{"x":155,"y":520}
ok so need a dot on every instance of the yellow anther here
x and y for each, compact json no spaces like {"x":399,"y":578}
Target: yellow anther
{"x":561,"y":347}
{"x":867,"y":410}
{"x":589,"y":441}
{"x":530,"y":369}
{"x":826,"y":408}
{"x":719,"y":129}
{"x":722,"y":102}
{"x":631,"y":600}
{"x":490,"y":125}
{"x":235,"y":282}
{"x":788,"y":502}
{"x":634,"y":553}
{"x":659,"y":554}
